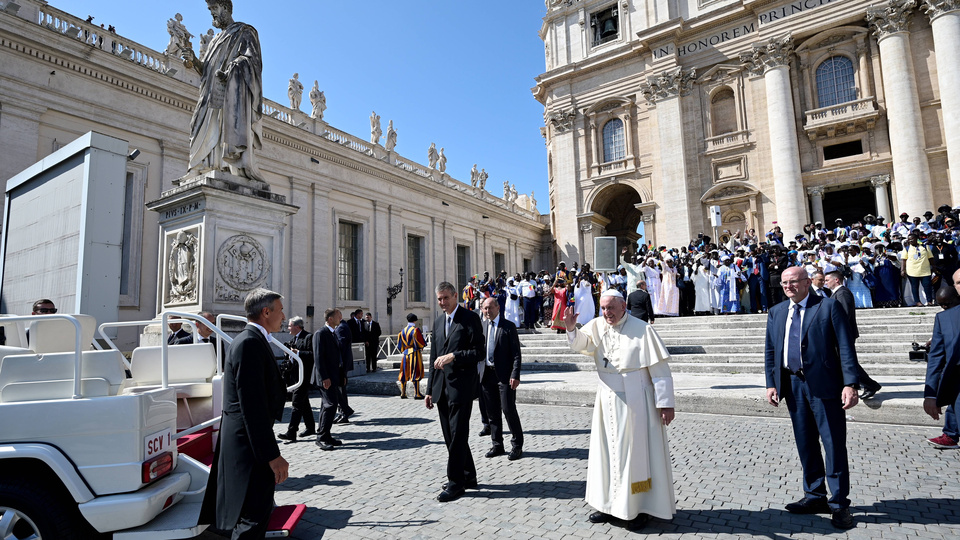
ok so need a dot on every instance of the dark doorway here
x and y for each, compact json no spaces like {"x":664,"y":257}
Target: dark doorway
{"x":850,"y":205}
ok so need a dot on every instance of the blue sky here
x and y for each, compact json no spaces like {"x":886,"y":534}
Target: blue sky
{"x":446,"y":71}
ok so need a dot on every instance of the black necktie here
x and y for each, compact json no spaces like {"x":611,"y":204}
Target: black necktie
{"x":826,"y":292}
{"x":793,"y":355}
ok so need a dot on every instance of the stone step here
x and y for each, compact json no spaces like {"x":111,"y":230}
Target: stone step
{"x":899,"y":402}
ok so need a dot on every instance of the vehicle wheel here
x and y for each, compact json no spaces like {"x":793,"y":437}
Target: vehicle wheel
{"x":27,"y":512}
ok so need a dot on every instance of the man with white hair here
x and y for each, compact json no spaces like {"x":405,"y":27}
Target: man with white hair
{"x":628,"y":473}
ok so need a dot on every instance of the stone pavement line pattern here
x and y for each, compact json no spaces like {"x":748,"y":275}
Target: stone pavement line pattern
{"x":732,"y":476}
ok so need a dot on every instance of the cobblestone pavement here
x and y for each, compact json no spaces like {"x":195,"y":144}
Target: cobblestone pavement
{"x":732,"y":476}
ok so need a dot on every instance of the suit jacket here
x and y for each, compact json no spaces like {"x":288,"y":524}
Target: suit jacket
{"x":845,"y":298}
{"x":356,"y":330}
{"x":506,"y":351}
{"x":457,"y":381}
{"x":827,"y":353}
{"x":326,"y":356}
{"x":373,"y":335}
{"x":344,"y":340}
{"x":639,"y":305}
{"x":253,"y":398}
{"x":943,"y":361}
{"x":180,"y":337}
{"x":303,"y":342}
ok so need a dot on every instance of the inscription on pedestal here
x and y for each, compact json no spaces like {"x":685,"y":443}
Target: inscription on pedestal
{"x":183,"y":209}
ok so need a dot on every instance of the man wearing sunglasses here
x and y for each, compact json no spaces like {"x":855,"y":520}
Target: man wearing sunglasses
{"x":44,"y":307}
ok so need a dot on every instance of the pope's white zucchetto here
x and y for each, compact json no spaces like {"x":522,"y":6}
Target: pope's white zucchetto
{"x":611,"y":293}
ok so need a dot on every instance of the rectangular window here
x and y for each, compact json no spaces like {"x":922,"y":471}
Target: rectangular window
{"x":348,"y":262}
{"x":842,"y":150}
{"x":527,"y":266}
{"x":132,"y":235}
{"x":499,"y":263}
{"x":415,"y":269}
{"x":463,"y":266}
{"x":605,"y":25}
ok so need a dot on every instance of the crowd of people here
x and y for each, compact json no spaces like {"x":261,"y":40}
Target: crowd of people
{"x":884,"y":265}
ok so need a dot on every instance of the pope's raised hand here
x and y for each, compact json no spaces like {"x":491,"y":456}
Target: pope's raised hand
{"x":570,"y":318}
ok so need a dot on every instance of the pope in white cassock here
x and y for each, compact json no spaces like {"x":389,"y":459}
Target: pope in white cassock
{"x":629,"y":475}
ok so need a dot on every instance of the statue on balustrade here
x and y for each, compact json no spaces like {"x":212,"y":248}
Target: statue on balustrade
{"x":295,"y":91}
{"x":375,"y":131}
{"x":442,"y":161}
{"x":179,"y":36}
{"x":318,"y":100}
{"x":391,"y":138}
{"x":474,"y":176}
{"x":205,"y":41}
{"x":483,"y":178}
{"x":226,"y":128}
{"x":432,"y":156}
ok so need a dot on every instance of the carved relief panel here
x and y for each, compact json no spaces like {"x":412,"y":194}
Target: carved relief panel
{"x":242,"y":264}
{"x":182,"y":266}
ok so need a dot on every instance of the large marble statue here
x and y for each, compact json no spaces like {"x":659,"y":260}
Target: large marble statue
{"x":226,"y":128}
{"x":179,"y":36}
{"x":483,"y":178}
{"x":391,"y":137}
{"x":295,"y":91}
{"x":432,"y":156}
{"x":375,"y":131}
{"x":474,"y":176}
{"x":442,"y":161}
{"x":318,"y":100}
{"x":205,"y":41}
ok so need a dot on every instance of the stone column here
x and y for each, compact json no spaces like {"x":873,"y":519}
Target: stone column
{"x":664,"y":92}
{"x":911,"y":170}
{"x":772,"y":59}
{"x":562,"y":140}
{"x":816,"y":202}
{"x":945,"y":21}
{"x":879,"y":185}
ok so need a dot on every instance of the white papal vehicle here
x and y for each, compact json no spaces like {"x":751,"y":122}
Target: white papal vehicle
{"x":93,"y":444}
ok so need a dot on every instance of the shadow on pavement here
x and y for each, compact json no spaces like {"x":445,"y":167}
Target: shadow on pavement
{"x":561,"y":489}
{"x":301,"y":483}
{"x":735,"y":386}
{"x":557,"y":432}
{"x":364,"y":435}
{"x":560,"y":453}
{"x":389,"y":444}
{"x":771,"y":523}
{"x":391,"y":421}
{"x":328,"y":519}
{"x":922,"y":511}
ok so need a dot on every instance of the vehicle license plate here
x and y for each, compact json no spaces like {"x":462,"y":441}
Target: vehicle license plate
{"x":157,"y":443}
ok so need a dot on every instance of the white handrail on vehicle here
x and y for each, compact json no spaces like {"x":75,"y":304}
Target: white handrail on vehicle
{"x":79,"y":331}
{"x":189,"y":322}
{"x":279,"y":345}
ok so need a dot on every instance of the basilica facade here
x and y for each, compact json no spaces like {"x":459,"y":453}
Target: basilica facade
{"x":779,"y":112}
{"x":359,"y":212}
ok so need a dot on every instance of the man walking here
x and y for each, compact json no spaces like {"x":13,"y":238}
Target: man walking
{"x":942,"y":386}
{"x":302,"y":344}
{"x":345,"y":341}
{"x":639,"y":304}
{"x":499,"y":378}
{"x":834,"y":282}
{"x":326,"y":368}
{"x":810,"y":362}
{"x":372,"y":332}
{"x":456,"y":349}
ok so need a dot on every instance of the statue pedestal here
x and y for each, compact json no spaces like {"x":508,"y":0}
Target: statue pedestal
{"x":221,"y":236}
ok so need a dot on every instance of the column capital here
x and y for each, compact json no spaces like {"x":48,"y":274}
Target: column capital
{"x":816,"y":191}
{"x":879,"y":180}
{"x":764,"y":56}
{"x":935,"y":8}
{"x":668,"y":84}
{"x":890,"y":18}
{"x":561,"y":120}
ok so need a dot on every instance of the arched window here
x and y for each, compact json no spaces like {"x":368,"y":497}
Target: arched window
{"x":614,"y":148}
{"x":835,"y":81}
{"x":723,"y":112}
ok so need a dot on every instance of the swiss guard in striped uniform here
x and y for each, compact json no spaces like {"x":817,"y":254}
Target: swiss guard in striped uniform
{"x":411,"y":342}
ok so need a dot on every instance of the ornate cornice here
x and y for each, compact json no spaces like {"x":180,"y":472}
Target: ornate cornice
{"x":562,"y":121}
{"x":890,"y":18}
{"x":936,"y":8}
{"x":763,"y":57}
{"x":668,"y":84}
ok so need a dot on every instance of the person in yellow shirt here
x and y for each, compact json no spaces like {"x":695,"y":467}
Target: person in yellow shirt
{"x":916,"y":268}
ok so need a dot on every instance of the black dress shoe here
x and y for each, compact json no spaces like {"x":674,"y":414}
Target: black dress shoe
{"x":515,"y":454}
{"x":638,"y":522}
{"x":495,"y":451}
{"x":870,"y":392}
{"x":809,"y":506}
{"x":469,"y":484}
{"x":324,"y":445}
{"x":598,"y":517}
{"x":337,"y":418}
{"x":447,"y":495}
{"x":485,"y":431}
{"x":843,"y":519}
{"x":332,"y":442}
{"x":307,"y":433}
{"x":287,"y":436}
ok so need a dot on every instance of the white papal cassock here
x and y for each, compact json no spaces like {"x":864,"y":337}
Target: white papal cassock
{"x":629,"y":466}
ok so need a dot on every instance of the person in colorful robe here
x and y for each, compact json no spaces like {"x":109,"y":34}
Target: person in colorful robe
{"x":629,"y":476}
{"x":411,"y":366}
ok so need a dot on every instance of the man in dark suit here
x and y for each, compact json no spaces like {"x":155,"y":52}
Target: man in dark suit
{"x":326,"y":368}
{"x":373,"y":332}
{"x":302,"y":344}
{"x":356,"y":329}
{"x":810,"y":360}
{"x":344,"y":337}
{"x":499,"y":378}
{"x":817,"y":286}
{"x":179,"y":336}
{"x":834,"y":282}
{"x":456,"y":348}
{"x":248,"y":464}
{"x":942,"y":386}
{"x":639,"y":304}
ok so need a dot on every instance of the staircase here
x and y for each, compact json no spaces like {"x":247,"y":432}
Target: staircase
{"x":717,"y":363}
